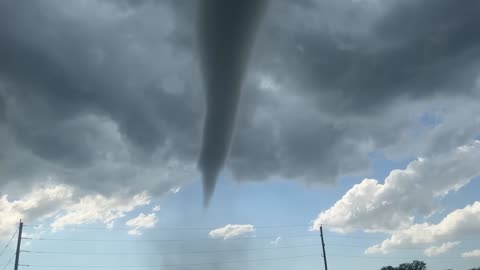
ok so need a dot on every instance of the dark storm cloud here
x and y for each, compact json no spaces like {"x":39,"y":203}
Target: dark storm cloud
{"x":104,"y":94}
{"x":64,"y":79}
{"x":414,"y":49}
{"x":365,"y":73}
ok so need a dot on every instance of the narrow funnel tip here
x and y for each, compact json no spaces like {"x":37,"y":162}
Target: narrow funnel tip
{"x":209,"y":182}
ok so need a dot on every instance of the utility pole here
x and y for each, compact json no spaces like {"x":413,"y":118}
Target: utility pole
{"x":19,"y":241}
{"x":323,"y":247}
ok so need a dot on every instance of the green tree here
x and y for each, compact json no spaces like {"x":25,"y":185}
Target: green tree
{"x":415,"y":265}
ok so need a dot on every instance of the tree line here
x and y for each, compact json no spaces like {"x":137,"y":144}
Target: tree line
{"x":415,"y":265}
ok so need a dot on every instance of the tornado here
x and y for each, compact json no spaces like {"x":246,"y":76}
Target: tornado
{"x":226,"y":29}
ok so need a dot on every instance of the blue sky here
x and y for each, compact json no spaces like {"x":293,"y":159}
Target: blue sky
{"x":260,"y":204}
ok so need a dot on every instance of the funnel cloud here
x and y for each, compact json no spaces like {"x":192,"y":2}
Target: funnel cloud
{"x":225,"y":34}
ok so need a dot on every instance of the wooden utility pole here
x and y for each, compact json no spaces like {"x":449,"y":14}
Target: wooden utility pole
{"x":323,"y":247}
{"x":19,"y":241}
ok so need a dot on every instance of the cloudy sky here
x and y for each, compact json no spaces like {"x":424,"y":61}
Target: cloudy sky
{"x":361,"y":115}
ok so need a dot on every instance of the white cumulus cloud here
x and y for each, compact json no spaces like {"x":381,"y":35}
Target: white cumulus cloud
{"x":459,"y":223}
{"x":99,"y":209}
{"x":39,"y":203}
{"x":134,"y":232}
{"x":436,"y":250}
{"x":141,"y":221}
{"x":156,"y":208}
{"x":470,"y":254}
{"x":63,"y":205}
{"x":231,"y":231}
{"x":405,"y":194}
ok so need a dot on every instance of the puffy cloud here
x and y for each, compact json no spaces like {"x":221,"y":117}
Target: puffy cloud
{"x":156,"y":208}
{"x":457,"y":224}
{"x":405,"y":194}
{"x":40,"y":203}
{"x":64,"y":206}
{"x":472,"y":253}
{"x":134,"y":231}
{"x":231,"y":231}
{"x":141,"y":221}
{"x":436,"y":250}
{"x":99,"y":209}
{"x":276,"y":241}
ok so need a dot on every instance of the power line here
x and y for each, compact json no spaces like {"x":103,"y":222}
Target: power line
{"x":380,"y":230}
{"x":171,"y":265}
{"x":391,"y":257}
{"x":393,"y":248}
{"x":166,"y":240}
{"x":170,"y":228}
{"x":8,"y":263}
{"x":167,"y":253}
{"x":355,"y":237}
{"x":374,"y":230}
{"x":8,"y":243}
{"x":224,"y":262}
{"x":199,"y":239}
{"x":387,"y":237}
{"x":203,"y":239}
{"x":200,"y":251}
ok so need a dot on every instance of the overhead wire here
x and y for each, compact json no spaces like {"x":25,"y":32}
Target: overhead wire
{"x":8,"y":262}
{"x":169,"y":228}
{"x":391,"y":257}
{"x":206,"y":239}
{"x":354,"y":237}
{"x":8,"y":243}
{"x":380,"y":230}
{"x":223,"y":262}
{"x":310,"y":235}
{"x":166,"y":240}
{"x":171,"y":265}
{"x":169,"y":253}
{"x":368,"y":230}
{"x":197,"y":251}
{"x":360,"y":246}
